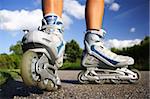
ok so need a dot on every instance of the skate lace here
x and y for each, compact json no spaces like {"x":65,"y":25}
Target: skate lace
{"x":51,"y":29}
{"x":52,"y":26}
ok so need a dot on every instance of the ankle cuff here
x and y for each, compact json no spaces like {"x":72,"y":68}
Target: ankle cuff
{"x":100,"y":32}
{"x":52,"y":19}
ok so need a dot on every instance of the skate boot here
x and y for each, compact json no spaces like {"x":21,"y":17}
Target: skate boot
{"x":102,"y":65}
{"x":43,"y":54}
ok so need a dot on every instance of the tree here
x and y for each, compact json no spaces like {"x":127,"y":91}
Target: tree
{"x":16,"y":49}
{"x":6,"y":61}
{"x":73,"y":51}
{"x":140,"y":53}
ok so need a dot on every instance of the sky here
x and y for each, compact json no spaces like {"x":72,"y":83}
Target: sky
{"x":125,"y":21}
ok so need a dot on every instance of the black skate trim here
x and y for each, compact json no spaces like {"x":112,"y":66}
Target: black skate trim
{"x":93,"y":29}
{"x":31,"y":45}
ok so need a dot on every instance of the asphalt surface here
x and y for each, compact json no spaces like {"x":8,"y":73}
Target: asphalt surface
{"x":72,"y":89}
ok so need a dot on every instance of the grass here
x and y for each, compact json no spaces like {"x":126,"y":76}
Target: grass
{"x":8,"y":73}
{"x":3,"y":77}
{"x":15,"y":73}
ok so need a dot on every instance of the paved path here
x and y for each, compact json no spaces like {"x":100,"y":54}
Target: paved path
{"x":72,"y":89}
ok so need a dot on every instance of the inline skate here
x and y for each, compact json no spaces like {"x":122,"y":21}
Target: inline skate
{"x":102,"y":65}
{"x":43,"y":54}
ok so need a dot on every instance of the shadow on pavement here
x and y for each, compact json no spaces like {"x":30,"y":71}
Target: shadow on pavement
{"x":71,"y":81}
{"x":107,"y":82}
{"x":16,"y":88}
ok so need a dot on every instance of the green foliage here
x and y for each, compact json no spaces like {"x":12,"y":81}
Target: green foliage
{"x":5,"y":61}
{"x":12,"y":60}
{"x":3,"y":77}
{"x":6,"y":74}
{"x":73,"y":54}
{"x":139,"y":52}
{"x":72,"y":65}
{"x":16,"y":49}
{"x":73,"y":51}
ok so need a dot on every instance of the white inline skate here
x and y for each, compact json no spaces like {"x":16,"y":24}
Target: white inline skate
{"x":43,"y":54}
{"x":102,"y":65}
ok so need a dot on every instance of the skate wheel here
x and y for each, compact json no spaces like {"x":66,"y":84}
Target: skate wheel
{"x":47,"y":85}
{"x":138,"y":76}
{"x":26,"y":72}
{"x":51,"y":86}
{"x":116,"y":81}
{"x":41,"y":85}
{"x":80,"y":78}
{"x":100,"y":81}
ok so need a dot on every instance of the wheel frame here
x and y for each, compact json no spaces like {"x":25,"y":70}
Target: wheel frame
{"x":80,"y":76}
{"x":116,"y":81}
{"x":101,"y":81}
{"x":133,"y":81}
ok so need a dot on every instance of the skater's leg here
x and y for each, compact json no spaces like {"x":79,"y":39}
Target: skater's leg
{"x":44,"y":49}
{"x":94,"y":34}
{"x":52,"y":6}
{"x":52,"y":12}
{"x":96,"y":55}
{"x":94,"y":14}
{"x":53,"y":24}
